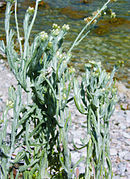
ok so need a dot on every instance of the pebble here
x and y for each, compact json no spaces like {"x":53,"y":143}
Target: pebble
{"x":122,"y":154}
{"x":116,"y":177}
{"x":122,"y":168}
{"x":128,"y":116}
{"x":126,"y":135}
{"x":113,"y":151}
{"x":127,"y":142}
{"x":75,"y":156}
{"x":119,"y":127}
{"x":127,"y":156}
{"x":122,"y":126}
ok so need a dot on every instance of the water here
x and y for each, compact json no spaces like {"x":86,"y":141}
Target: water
{"x":109,"y":41}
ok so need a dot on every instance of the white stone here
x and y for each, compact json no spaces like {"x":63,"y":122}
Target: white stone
{"x":1,"y":93}
{"x":128,"y":116}
{"x":116,"y":177}
{"x":122,"y":126}
{"x":122,"y":154}
{"x":113,"y":151}
{"x":75,"y":156}
{"x":127,"y":156}
{"x":10,"y":112}
{"x":126,"y":135}
{"x":81,"y":168}
{"x":127,"y":141}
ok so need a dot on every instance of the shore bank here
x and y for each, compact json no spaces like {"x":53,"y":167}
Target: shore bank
{"x":119,"y":126}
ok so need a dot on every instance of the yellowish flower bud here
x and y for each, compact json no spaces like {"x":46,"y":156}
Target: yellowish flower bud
{"x":30,"y":10}
{"x":49,"y":45}
{"x":113,"y":15}
{"x":9,"y":104}
{"x":71,"y":70}
{"x":88,"y":19}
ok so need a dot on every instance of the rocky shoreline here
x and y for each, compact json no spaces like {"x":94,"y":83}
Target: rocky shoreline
{"x":119,"y":126}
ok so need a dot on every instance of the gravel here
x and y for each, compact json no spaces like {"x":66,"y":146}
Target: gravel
{"x":119,"y":126}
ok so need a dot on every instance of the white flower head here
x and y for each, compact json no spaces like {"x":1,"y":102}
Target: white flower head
{"x":55,"y":32}
{"x":55,"y":26}
{"x":113,"y":15}
{"x":43,"y":36}
{"x":30,"y":10}
{"x":60,"y":55}
{"x":65,"y":27}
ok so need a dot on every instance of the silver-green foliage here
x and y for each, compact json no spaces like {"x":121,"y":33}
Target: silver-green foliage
{"x":38,"y":141}
{"x":96,"y":98}
{"x":40,"y":125}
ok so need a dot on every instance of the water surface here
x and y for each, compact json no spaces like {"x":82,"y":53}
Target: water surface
{"x":109,"y":41}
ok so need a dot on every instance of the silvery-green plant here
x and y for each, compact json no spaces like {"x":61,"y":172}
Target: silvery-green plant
{"x":37,"y":144}
{"x":41,"y":71}
{"x":96,"y":98}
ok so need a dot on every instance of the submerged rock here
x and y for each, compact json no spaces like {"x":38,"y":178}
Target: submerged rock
{"x":106,"y":25}
{"x":73,"y":14}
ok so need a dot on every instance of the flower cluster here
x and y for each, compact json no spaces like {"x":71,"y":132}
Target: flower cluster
{"x":95,"y":13}
{"x":113,"y":15}
{"x":30,"y":10}
{"x":60,"y":55}
{"x":55,"y":32}
{"x":56,"y":29}
{"x":55,"y":26}
{"x":88,"y":19}
{"x":110,"y":13}
{"x":43,"y":36}
{"x":10,"y":103}
{"x":71,"y":70}
{"x":65,"y":27}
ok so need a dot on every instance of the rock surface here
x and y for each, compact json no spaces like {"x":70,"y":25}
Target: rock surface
{"x":119,"y":126}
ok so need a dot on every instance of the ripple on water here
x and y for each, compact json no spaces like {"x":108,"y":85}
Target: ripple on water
{"x":109,"y":42}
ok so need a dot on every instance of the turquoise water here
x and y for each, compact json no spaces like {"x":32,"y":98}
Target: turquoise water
{"x":109,"y":41}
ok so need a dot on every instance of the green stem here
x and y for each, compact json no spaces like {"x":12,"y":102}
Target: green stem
{"x":64,"y":141}
{"x":30,"y":28}
{"x":87,"y":172}
{"x":86,"y":26}
{"x":18,"y":34}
